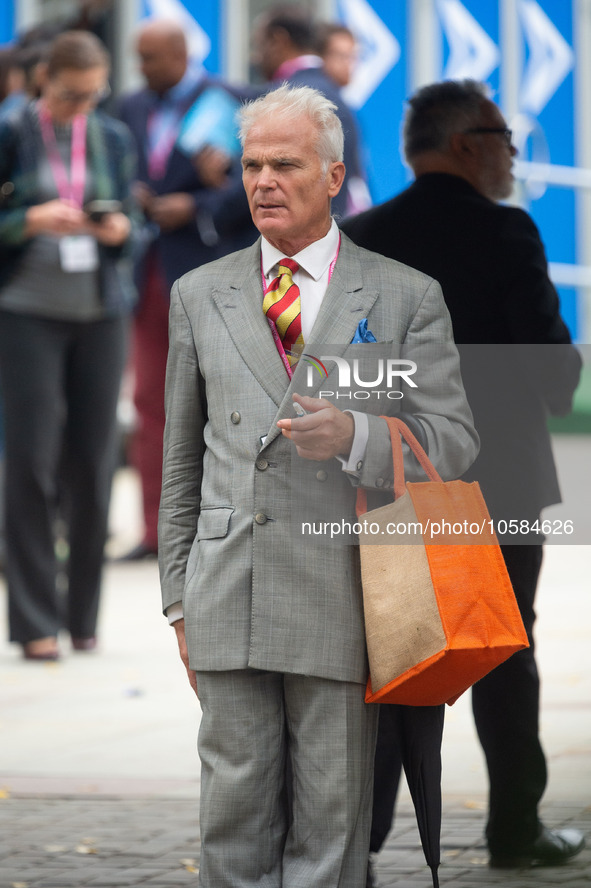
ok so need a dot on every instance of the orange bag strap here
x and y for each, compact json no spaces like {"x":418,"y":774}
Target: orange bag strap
{"x":399,"y":430}
{"x":403,"y":430}
{"x":361,"y":502}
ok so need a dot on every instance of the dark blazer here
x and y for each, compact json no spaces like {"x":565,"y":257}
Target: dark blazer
{"x":221,"y":225}
{"x":520,"y":365}
{"x":110,"y":156}
{"x":317,"y":79}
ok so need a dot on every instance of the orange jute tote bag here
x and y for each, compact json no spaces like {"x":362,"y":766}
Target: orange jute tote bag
{"x":440,"y":611}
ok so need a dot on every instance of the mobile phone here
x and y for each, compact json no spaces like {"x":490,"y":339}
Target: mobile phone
{"x":96,"y":210}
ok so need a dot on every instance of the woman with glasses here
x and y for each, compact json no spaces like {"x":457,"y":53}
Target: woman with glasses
{"x":66,"y":292}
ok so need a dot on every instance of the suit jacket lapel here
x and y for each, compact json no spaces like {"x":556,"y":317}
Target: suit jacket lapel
{"x":241,"y":307}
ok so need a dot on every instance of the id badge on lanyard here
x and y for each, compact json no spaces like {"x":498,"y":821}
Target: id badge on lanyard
{"x":78,"y":252}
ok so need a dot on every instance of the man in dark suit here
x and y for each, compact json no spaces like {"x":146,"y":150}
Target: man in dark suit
{"x":284,"y":50}
{"x":190,"y":221}
{"x":518,"y":366}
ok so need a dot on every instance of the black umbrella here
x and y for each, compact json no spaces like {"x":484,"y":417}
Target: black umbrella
{"x":410,"y":736}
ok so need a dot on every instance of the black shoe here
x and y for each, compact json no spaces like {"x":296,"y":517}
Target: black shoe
{"x":84,"y":643}
{"x":553,"y":847}
{"x":141,"y":552}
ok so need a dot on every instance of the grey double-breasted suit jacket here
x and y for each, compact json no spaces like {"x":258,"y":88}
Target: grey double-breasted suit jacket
{"x":255,"y":592}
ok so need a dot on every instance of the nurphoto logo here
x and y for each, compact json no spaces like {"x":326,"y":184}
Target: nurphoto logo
{"x":353,"y":383}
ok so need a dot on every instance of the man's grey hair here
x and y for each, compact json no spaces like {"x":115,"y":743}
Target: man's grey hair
{"x":287,"y":103}
{"x":435,"y":112}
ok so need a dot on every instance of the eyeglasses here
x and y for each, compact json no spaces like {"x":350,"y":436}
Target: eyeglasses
{"x":501,"y":130}
{"x":81,"y":98}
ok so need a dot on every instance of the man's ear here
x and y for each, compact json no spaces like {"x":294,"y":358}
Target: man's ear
{"x":336,"y":176}
{"x":461,"y":146}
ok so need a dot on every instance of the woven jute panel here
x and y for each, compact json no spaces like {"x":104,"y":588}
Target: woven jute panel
{"x":402,"y":621}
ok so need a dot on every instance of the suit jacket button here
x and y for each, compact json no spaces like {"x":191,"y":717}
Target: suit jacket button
{"x":321,"y":475}
{"x":262,"y":463}
{"x":260,"y":518}
{"x":379,"y":482}
{"x":235,"y":417}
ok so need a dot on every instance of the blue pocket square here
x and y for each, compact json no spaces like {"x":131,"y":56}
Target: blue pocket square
{"x":362,"y":334}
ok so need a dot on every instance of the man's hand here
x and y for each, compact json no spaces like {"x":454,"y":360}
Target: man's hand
{"x":212,"y":165}
{"x":325,"y":432}
{"x":112,"y":231}
{"x":179,"y":628}
{"x":59,"y":217}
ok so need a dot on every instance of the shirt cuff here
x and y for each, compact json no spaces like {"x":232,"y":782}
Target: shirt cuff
{"x":174,"y":612}
{"x":353,"y":464}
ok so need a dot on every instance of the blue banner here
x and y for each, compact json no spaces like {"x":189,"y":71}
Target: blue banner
{"x":546,"y":105}
{"x":6,"y":21}
{"x":544,"y":128}
{"x":470,"y":37}
{"x":379,"y":88}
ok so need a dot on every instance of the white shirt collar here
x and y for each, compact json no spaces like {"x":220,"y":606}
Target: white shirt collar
{"x":313,"y":259}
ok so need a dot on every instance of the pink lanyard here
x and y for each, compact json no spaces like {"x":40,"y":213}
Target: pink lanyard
{"x":72,"y":188}
{"x":276,"y":337}
{"x":162,"y":134}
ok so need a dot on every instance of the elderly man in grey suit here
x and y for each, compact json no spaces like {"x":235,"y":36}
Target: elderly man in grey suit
{"x":270,"y":623}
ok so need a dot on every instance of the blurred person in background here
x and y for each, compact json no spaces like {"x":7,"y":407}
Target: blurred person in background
{"x":337,"y":47}
{"x":284,"y":49}
{"x":12,"y":79}
{"x":83,"y":15}
{"x":19,"y":62}
{"x":23,"y":81}
{"x":66,"y":291}
{"x":19,"y":81}
{"x":189,"y":221}
{"x":518,"y":367}
{"x":92,"y":15}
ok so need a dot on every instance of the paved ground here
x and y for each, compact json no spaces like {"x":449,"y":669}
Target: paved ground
{"x":70,"y":842}
{"x":98,"y":768}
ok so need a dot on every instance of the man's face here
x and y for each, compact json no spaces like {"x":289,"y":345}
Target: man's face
{"x":161,"y":63}
{"x":288,"y":191}
{"x":267,"y":50}
{"x":340,"y":58}
{"x":493,"y":156}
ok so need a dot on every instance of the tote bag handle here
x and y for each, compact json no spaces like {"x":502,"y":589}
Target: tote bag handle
{"x":399,"y":430}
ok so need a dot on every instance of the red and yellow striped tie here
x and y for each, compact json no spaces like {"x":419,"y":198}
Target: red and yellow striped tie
{"x":282,"y":305}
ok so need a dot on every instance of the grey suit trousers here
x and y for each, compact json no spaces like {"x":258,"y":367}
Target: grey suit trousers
{"x":252,"y":721}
